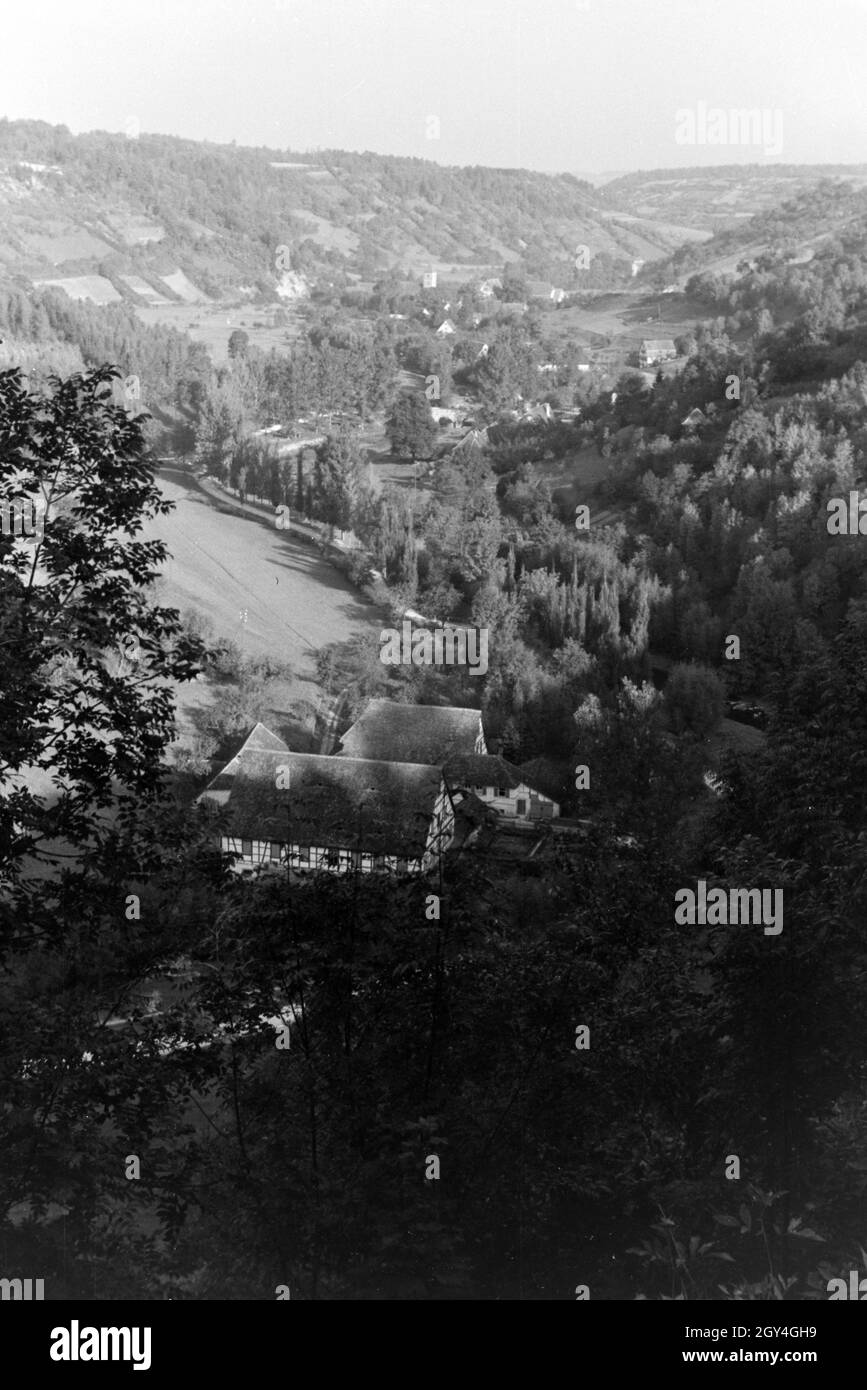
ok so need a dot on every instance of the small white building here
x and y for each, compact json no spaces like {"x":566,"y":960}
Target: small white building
{"x":655,"y":350}
{"x":694,"y":420}
{"x":500,"y":785}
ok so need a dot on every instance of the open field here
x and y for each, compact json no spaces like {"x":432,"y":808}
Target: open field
{"x":213,"y":325}
{"x":94,"y":287}
{"x":623,"y":319}
{"x":226,"y":565}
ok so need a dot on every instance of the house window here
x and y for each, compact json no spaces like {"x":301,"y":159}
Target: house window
{"x":355,"y":860}
{"x":247,"y":849}
{"x":521,"y":806}
{"x":275,"y":851}
{"x":303,"y":855}
{"x":502,"y":791}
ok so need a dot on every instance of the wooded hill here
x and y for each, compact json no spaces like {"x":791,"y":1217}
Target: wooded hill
{"x":149,"y":206}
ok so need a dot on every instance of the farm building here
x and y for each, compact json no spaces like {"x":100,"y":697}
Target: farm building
{"x":500,"y":785}
{"x":440,"y":413}
{"x":656,"y":350}
{"x":694,"y":419}
{"x":310,"y":812}
{"x":474,"y":439}
{"x":428,"y":734}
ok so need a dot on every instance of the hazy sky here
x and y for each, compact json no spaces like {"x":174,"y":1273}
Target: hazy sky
{"x":547,"y":84}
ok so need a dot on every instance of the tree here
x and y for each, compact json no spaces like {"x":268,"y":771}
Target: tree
{"x":515,"y":289}
{"x":220,"y":427}
{"x":411,"y":426}
{"x":183,"y":439}
{"x":638,"y":781}
{"x":506,"y":372}
{"x":239,"y":341}
{"x":339,"y":479}
{"x":694,"y":699}
{"x":76,"y":595}
{"x":86,"y":709}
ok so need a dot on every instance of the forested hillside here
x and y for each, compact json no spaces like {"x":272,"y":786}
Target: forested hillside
{"x":148,"y":206}
{"x":796,"y":227}
{"x":725,"y":195}
{"x":644,"y":554}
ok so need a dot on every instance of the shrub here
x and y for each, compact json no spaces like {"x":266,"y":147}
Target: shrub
{"x":228,"y":660}
{"x":265,"y":668}
{"x":694,"y":699}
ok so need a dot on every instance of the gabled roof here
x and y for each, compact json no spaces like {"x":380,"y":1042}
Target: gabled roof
{"x":483,"y":770}
{"x":335,"y":803}
{"x":551,"y":777}
{"x":412,"y":733}
{"x":658,"y":344}
{"x":476,"y":437}
{"x":259,"y":740}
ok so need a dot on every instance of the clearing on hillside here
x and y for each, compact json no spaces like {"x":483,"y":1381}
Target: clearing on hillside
{"x":226,"y":566}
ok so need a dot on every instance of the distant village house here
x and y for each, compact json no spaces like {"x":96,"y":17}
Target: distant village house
{"x":655,"y":350}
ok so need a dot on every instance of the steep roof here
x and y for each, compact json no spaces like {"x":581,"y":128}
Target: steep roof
{"x":481,"y":770}
{"x":658,"y":344}
{"x":336,"y":803}
{"x":412,"y":733}
{"x":486,"y":770}
{"x":259,"y":740}
{"x":550,"y":776}
{"x":475,"y":437}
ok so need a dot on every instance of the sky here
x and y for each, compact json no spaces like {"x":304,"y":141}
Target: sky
{"x":587,"y":86}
